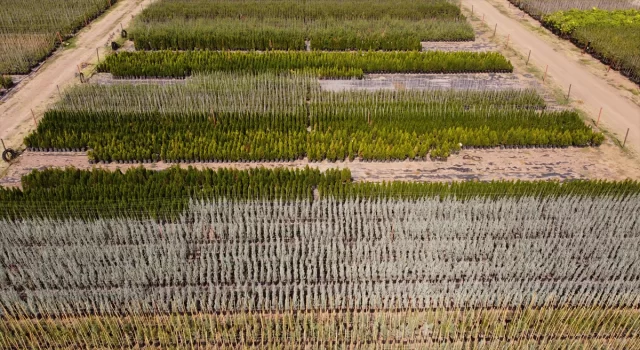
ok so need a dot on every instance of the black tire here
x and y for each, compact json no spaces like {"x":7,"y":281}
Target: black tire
{"x":114,"y":46}
{"x":82,"y":77}
{"x":8,"y":155}
{"x":123,"y":33}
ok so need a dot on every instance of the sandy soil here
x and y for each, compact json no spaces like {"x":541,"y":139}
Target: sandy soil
{"x":38,"y":90}
{"x":605,"y":162}
{"x":481,"y":81}
{"x":485,"y":81}
{"x":588,"y":90}
{"x":479,"y":45}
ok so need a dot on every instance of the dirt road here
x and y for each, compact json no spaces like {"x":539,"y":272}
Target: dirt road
{"x":593,"y":92}
{"x":40,"y":89}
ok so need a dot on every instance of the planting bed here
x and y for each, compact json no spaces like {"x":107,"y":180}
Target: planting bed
{"x":287,"y":25}
{"x":30,"y":30}
{"x":323,"y":64}
{"x":287,"y":117}
{"x":610,"y":32}
{"x":292,"y":230}
{"x":314,"y":258}
{"x":463,"y":82}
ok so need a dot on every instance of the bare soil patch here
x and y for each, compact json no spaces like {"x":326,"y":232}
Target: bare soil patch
{"x":479,"y":45}
{"x":483,"y":81}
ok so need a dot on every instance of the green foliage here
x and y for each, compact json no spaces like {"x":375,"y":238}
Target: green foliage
{"x":57,"y":193}
{"x":470,"y":189}
{"x":336,"y":133}
{"x":283,"y":117}
{"x":285,"y":34}
{"x":139,"y":192}
{"x":323,"y":64}
{"x":611,"y":36}
{"x":28,"y":29}
{"x":285,"y":25}
{"x":316,"y":9}
{"x":6,"y":82}
{"x":287,"y":117}
{"x":539,"y":8}
{"x":566,"y":22}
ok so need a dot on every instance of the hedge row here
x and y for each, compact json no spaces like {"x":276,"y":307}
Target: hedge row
{"x":324,"y":64}
{"x":311,"y":9}
{"x":335,"y":134}
{"x":285,"y":34}
{"x":56,"y":193}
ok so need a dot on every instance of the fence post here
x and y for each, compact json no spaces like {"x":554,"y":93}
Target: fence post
{"x":528,"y":57}
{"x":599,"y":114}
{"x":569,"y":93}
{"x":495,"y":29}
{"x":625,"y":138}
{"x":98,"y":54}
{"x":3,"y":147}
{"x":545,"y":73}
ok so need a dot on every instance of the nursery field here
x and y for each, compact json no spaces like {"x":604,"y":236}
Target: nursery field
{"x":179,"y":64}
{"x":610,"y":32}
{"x":288,"y":25}
{"x":540,"y":8}
{"x":289,"y":256}
{"x":259,"y":258}
{"x":30,"y":30}
{"x":231,"y":117}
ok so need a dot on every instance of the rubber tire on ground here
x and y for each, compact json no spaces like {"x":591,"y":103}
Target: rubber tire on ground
{"x":123,"y":33}
{"x":114,"y":46}
{"x":8,"y":155}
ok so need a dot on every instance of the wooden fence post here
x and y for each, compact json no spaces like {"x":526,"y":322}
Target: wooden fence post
{"x":625,"y":138}
{"x":599,"y":114}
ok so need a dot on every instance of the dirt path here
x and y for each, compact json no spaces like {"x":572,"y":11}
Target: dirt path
{"x":40,"y":89}
{"x":606,"y":162}
{"x":590,"y":92}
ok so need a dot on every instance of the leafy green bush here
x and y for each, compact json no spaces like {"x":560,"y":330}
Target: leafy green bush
{"x":566,"y":22}
{"x":324,"y":64}
{"x":6,"y":82}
